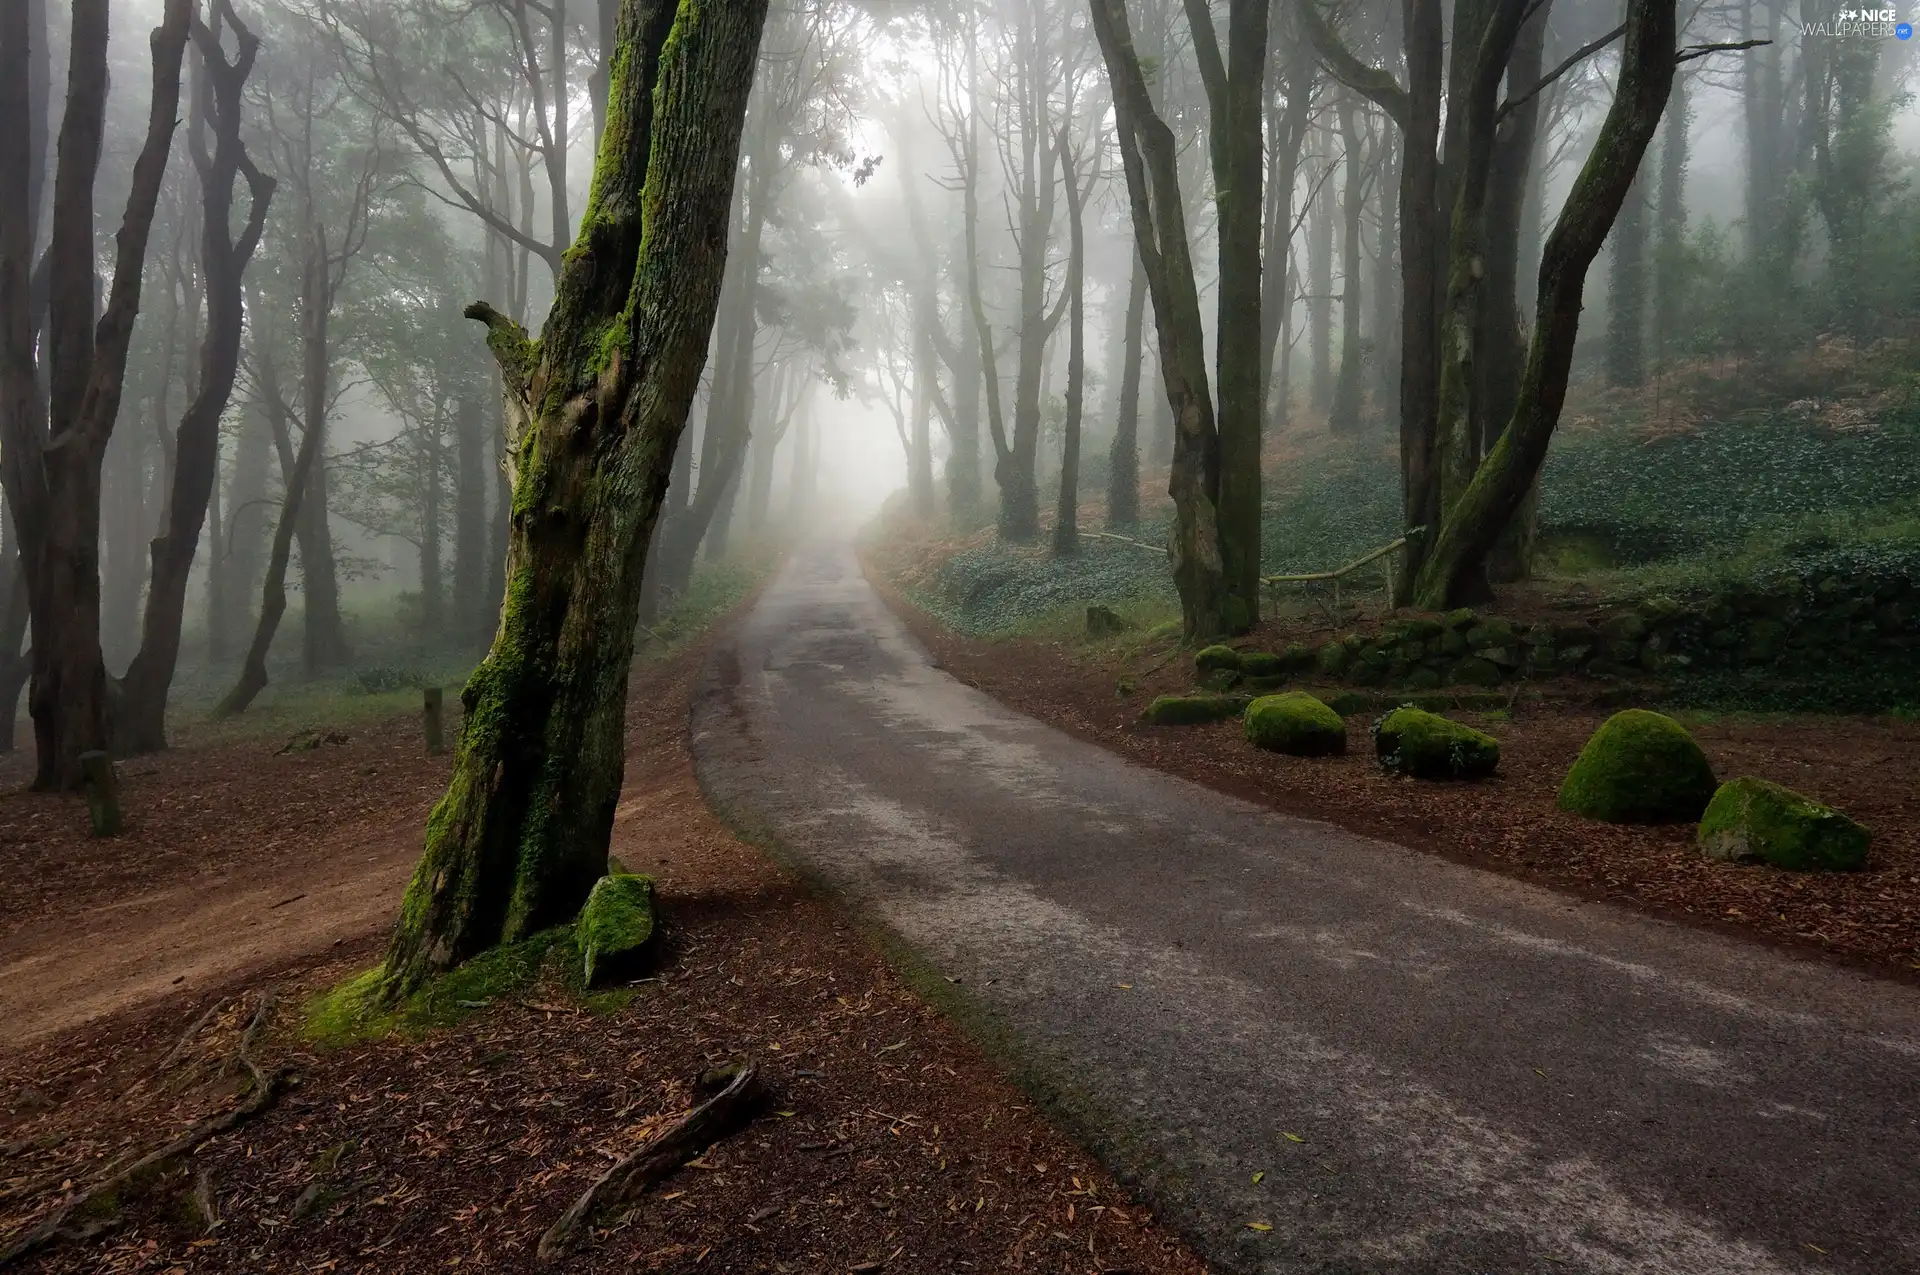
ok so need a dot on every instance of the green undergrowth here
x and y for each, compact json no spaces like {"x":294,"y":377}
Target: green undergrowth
{"x":715,"y":590}
{"x":548,"y":963}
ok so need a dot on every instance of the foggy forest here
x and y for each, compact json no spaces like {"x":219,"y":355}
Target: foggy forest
{"x":573,"y":572}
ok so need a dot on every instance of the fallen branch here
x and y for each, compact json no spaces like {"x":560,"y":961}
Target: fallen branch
{"x":724,"y":1113}
{"x":263,"y":1093}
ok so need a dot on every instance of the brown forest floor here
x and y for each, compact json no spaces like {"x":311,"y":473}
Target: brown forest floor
{"x":891,"y":1144}
{"x":1868,"y":767}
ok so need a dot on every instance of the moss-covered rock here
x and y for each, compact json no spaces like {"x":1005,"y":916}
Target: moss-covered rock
{"x":1411,"y":741}
{"x":615,"y":926}
{"x":1213,"y":658}
{"x":1752,"y":819}
{"x":1332,"y":658}
{"x":1464,"y":618}
{"x":1424,"y":678}
{"x":1639,"y":767}
{"x":1476,"y":671}
{"x":1194,"y":710}
{"x":1490,"y":632}
{"x":1296,"y":724}
{"x":1262,"y":664}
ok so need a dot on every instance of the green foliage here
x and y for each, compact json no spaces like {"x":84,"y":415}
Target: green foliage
{"x":996,"y":589}
{"x":1751,"y":818}
{"x":383,"y":679}
{"x":1295,"y":723}
{"x":615,"y":925}
{"x":1421,"y":745}
{"x":715,"y":590}
{"x":1639,"y":767}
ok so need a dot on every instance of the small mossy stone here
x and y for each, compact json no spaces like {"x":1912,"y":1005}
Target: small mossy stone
{"x":1453,"y":642}
{"x":1298,"y":657}
{"x":1464,"y":618}
{"x":1332,"y":658}
{"x":1476,"y":671}
{"x":1193,"y":710}
{"x":1424,"y":679}
{"x":1262,"y":664}
{"x":1753,"y":819}
{"x":1411,"y":741}
{"x":1639,"y":767}
{"x":1104,"y":621}
{"x":1212,"y":658}
{"x":614,"y":926}
{"x":1219,"y":679}
{"x":1492,"y":632}
{"x":1297,"y":724}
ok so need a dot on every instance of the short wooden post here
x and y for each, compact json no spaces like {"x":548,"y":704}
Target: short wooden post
{"x":103,"y":793}
{"x":436,"y":734}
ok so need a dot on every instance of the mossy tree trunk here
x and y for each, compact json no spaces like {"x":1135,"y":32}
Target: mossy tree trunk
{"x":1500,"y":485}
{"x":521,"y":834}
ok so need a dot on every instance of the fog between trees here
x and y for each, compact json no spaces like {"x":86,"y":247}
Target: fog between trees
{"x":1058,"y":267}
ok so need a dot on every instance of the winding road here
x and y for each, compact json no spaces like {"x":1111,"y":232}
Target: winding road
{"x":1315,"y":1051}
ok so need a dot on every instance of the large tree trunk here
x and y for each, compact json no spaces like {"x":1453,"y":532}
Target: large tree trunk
{"x":1286,"y":136}
{"x":141,"y":724}
{"x":433,"y":611}
{"x":522,"y":832}
{"x":1420,"y":291}
{"x":1501,"y":342}
{"x":1488,"y":505}
{"x":1123,"y":459}
{"x":920,"y":458}
{"x":51,"y":455}
{"x":1150,"y":157}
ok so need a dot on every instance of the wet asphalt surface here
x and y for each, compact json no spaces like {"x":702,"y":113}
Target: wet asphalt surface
{"x":1433,"y":1068}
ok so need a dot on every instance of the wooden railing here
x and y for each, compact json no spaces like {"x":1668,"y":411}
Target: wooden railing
{"x":1384,"y":555}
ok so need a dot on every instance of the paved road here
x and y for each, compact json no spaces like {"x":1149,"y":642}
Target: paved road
{"x":1436,"y":1069}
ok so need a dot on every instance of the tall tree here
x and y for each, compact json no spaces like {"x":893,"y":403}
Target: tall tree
{"x":1485,"y":509}
{"x":1066,"y":526}
{"x":522,"y":833}
{"x":1123,"y":458}
{"x":141,"y":723}
{"x":52,"y":449}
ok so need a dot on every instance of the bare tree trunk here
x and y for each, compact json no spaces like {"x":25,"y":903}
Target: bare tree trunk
{"x":246,"y":519}
{"x":1669,"y":267}
{"x":1627,"y":293}
{"x":51,"y":456}
{"x":1320,"y":283}
{"x":1343,"y":416}
{"x":1066,"y":527}
{"x":141,"y":726}
{"x":433,"y":618}
{"x":522,"y":833}
{"x":1123,"y":460}
{"x":469,"y":518}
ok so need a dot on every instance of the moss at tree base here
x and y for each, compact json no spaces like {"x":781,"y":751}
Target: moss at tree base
{"x":358,"y":1009}
{"x":1639,"y":767}
{"x":1754,"y":820}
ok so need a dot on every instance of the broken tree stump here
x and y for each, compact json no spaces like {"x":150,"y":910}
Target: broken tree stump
{"x":436,"y":732}
{"x":103,"y":793}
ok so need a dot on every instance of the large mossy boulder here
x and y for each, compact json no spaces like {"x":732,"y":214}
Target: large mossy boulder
{"x":1639,"y":767}
{"x":1194,"y":710}
{"x":1751,"y":819}
{"x":1411,"y":741}
{"x":1296,"y":724}
{"x":615,"y":926}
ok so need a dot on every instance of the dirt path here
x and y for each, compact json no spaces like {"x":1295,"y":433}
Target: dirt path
{"x":1328,"y":1053}
{"x":235,"y":859}
{"x":891,"y":1145}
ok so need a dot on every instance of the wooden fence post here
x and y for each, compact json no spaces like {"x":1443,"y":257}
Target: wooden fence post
{"x":103,"y":794}
{"x":436,"y":733}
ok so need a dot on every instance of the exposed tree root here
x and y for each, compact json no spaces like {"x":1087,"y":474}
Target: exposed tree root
{"x":90,"y":1212}
{"x":724,"y":1113}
